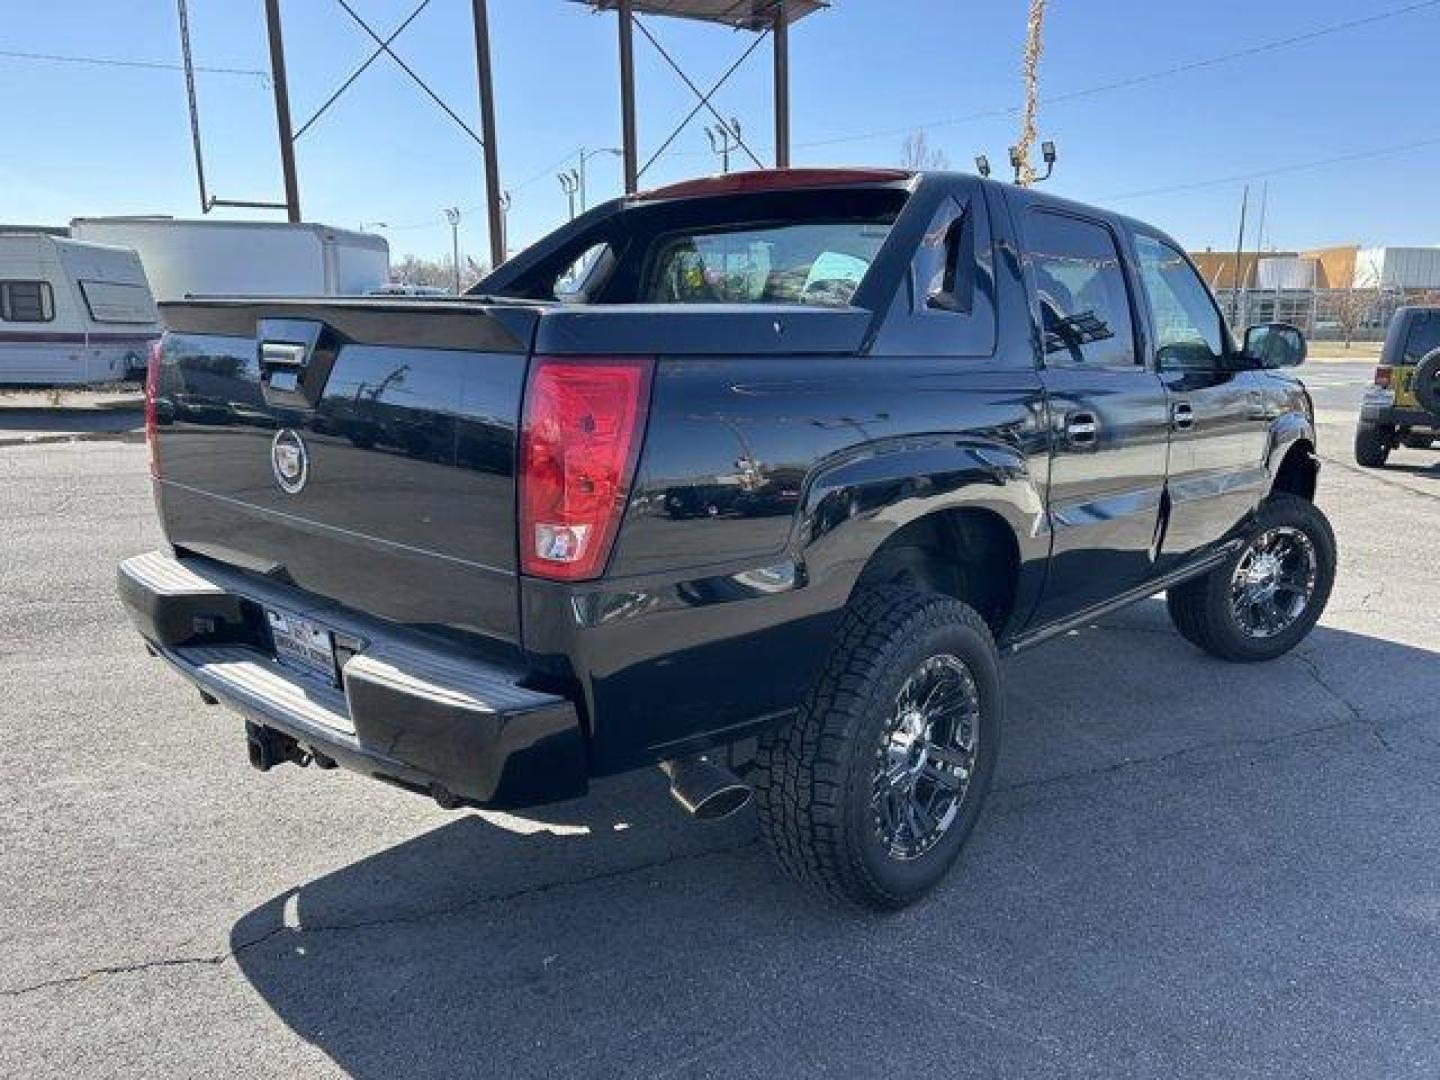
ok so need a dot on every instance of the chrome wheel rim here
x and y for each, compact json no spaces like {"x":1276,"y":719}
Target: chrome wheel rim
{"x":926,"y":757}
{"x":1273,"y":582}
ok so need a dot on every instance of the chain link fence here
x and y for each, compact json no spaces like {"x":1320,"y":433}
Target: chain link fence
{"x":1323,"y":314}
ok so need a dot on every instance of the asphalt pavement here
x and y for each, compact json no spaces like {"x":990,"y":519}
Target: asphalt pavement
{"x":1187,"y":868}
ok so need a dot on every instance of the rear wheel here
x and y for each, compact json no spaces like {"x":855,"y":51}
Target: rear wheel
{"x":1372,"y":444}
{"x":870,"y":792}
{"x":1261,"y":602}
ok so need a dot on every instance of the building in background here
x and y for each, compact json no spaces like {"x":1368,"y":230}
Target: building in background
{"x":1345,"y":292}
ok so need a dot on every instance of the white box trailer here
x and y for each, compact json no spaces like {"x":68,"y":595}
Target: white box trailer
{"x":245,"y":258}
{"x":71,"y":313}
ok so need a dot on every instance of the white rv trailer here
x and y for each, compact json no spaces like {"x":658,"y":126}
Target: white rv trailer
{"x":71,"y":314}
{"x":245,"y":258}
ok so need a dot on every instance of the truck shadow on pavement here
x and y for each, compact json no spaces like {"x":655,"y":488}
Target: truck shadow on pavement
{"x":1185,"y":866}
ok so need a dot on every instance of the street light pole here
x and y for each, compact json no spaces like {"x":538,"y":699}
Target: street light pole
{"x":504,"y":227}
{"x":724,"y":140}
{"x":586,"y":155}
{"x":570,"y":184}
{"x":452,"y":215}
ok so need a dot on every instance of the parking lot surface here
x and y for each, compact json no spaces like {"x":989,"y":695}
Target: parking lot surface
{"x":1186,"y":868}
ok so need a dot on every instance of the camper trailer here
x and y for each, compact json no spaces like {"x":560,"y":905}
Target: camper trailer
{"x":245,"y":258}
{"x":72,"y":314}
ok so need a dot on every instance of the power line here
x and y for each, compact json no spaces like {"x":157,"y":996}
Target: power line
{"x":153,"y":65}
{"x":1359,"y":155}
{"x":1144,"y":78}
{"x":547,"y":171}
{"x":436,"y":221}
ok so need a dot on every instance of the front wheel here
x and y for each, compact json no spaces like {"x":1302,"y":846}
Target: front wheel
{"x":1262,"y":601}
{"x":870,"y":792}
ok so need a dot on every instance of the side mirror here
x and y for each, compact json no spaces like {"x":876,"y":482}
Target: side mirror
{"x":1275,"y":345}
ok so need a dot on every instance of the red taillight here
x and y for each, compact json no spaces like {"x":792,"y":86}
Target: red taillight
{"x":579,"y":439}
{"x":152,"y":389}
{"x":1383,"y":376}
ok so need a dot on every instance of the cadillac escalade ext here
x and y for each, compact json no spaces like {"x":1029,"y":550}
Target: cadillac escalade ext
{"x":753,"y":478}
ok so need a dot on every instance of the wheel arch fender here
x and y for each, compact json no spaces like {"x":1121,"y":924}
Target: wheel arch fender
{"x":1290,"y":458}
{"x":857,"y":502}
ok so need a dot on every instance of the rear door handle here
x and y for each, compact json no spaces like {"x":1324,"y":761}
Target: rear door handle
{"x":1081,"y":428}
{"x":1182,"y":416}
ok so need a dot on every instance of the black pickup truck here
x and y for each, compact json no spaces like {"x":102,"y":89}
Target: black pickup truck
{"x":755,"y":478}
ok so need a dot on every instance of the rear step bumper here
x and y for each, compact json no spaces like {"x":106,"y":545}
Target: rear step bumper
{"x":406,"y":710}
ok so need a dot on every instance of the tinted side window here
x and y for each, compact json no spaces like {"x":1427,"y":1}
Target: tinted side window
{"x":1188,"y":332}
{"x":1424,"y":337}
{"x":1080,"y":282}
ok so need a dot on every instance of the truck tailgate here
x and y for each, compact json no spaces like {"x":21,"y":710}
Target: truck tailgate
{"x":361,"y":450}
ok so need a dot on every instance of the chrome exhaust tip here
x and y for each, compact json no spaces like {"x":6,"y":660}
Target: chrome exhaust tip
{"x":703,"y":789}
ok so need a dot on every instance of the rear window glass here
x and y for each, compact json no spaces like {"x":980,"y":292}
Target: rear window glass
{"x":1424,"y":337}
{"x":815,"y":262}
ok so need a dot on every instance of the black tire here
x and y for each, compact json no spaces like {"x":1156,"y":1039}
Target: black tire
{"x":1202,"y":609}
{"x":818,"y":775}
{"x":1372,"y":444}
{"x":1426,"y":382}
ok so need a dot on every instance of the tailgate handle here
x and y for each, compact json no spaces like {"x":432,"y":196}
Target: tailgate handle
{"x":282,"y":354}
{"x":281,"y":365}
{"x":295,"y":356}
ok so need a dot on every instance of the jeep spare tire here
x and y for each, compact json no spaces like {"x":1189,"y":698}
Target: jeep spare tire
{"x":1426,"y":382}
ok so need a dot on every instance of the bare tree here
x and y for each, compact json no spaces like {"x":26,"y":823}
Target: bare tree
{"x":919,"y":155}
{"x":414,"y":270}
{"x":1356,"y":300}
{"x":1030,"y":69}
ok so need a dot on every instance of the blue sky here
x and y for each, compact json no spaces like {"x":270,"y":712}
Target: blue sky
{"x":89,"y":139}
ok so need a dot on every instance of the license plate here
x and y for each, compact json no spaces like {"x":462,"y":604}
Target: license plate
{"x":302,"y":644}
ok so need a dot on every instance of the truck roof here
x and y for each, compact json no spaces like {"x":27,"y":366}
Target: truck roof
{"x":163,"y":221}
{"x":757,"y":180}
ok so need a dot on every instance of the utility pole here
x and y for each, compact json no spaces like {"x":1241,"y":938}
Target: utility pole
{"x":781,"y":43}
{"x":570,"y":184}
{"x":452,"y":215}
{"x":282,"y":109}
{"x":629,"y":140}
{"x":1264,"y":206}
{"x":1239,"y":251}
{"x":724,"y":140}
{"x":487,"y":126}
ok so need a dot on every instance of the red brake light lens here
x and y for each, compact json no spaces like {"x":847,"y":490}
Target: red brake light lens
{"x":152,"y":389}
{"x":1383,"y":377}
{"x":579,"y":440}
